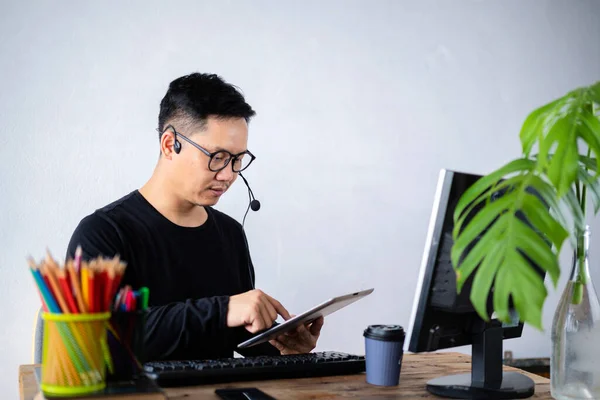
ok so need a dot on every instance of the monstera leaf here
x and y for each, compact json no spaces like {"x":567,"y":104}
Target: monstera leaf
{"x":510,"y":226}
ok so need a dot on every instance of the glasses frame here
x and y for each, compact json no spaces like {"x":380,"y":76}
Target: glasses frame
{"x":214,"y":153}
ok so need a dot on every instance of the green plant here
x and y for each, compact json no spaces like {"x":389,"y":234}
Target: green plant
{"x":561,"y":161}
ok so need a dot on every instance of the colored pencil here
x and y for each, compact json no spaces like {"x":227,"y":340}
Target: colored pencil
{"x":92,"y":290}
{"x":108,"y":287}
{"x":33,"y":269}
{"x":85,"y":289}
{"x":49,"y":271}
{"x":101,"y":284}
{"x":76,"y":286}
{"x":77,"y":259}
{"x":50,"y":303}
{"x":64,"y":285}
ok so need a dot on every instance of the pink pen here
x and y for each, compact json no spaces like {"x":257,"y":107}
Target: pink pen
{"x":77,"y":260}
{"x":120,"y":299}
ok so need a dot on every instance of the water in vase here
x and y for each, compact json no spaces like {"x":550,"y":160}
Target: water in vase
{"x":575,"y":364}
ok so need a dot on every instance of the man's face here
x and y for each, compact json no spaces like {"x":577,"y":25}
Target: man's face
{"x":196,"y":183}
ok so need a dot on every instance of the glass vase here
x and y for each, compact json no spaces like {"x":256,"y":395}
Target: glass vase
{"x":575,"y":359}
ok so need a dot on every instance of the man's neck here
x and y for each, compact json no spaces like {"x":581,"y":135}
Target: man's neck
{"x":180,"y":212}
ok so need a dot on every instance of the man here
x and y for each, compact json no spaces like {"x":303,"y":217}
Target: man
{"x":193,"y":258}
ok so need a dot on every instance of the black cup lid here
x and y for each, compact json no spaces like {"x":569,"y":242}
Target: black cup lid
{"x":391,"y":333}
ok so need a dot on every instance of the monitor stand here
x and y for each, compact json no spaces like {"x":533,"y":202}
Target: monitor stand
{"x":486,"y":380}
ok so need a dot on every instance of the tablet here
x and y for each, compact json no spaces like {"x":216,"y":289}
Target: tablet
{"x":323,"y":309}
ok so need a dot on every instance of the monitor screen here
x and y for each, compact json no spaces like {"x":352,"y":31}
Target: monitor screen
{"x":441,"y":318}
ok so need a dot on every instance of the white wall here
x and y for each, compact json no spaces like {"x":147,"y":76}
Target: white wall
{"x":359,"y":106}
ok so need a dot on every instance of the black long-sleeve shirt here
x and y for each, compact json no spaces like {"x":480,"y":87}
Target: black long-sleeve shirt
{"x":191,"y":273}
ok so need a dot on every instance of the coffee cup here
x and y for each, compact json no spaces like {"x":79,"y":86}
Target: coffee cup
{"x":383,"y":353}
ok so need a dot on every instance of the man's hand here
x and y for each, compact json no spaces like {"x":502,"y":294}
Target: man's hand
{"x":255,"y":310}
{"x":302,"y":340}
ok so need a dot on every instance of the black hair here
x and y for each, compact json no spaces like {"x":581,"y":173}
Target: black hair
{"x":191,"y":99}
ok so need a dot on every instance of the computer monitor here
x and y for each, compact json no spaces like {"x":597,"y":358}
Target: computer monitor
{"x":442,"y":319}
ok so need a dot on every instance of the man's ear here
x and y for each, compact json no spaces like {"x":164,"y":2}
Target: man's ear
{"x":167,"y":144}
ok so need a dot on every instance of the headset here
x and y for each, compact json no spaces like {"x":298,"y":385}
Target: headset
{"x":176,"y":145}
{"x":253,"y":205}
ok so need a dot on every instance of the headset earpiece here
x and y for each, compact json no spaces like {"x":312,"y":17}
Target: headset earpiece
{"x":177,"y":146}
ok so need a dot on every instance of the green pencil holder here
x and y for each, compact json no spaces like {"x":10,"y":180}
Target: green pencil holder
{"x":73,"y":354}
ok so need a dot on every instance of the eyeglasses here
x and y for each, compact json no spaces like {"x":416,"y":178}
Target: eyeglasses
{"x":218,"y":160}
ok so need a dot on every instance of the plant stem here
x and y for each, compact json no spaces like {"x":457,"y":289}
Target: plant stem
{"x":577,"y":294}
{"x":581,"y":275}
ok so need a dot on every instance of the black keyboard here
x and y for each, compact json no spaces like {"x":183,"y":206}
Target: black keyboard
{"x":179,"y":373}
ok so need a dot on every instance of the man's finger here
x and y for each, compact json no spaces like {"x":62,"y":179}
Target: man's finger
{"x":292,"y":332}
{"x":266,"y":317}
{"x":306,"y":337}
{"x":280,"y":308}
{"x":277,"y":344}
{"x":301,"y":331}
{"x":257,"y":325}
{"x":315,"y":327}
{"x":258,"y":322}
{"x":289,"y":341}
{"x":270,"y":309}
{"x":285,"y":348}
{"x":297,"y":344}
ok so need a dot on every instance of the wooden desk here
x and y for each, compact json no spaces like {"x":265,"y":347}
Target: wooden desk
{"x":417,"y":369}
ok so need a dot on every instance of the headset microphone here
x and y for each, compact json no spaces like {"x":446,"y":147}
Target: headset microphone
{"x":254,"y":204}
